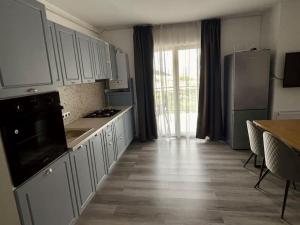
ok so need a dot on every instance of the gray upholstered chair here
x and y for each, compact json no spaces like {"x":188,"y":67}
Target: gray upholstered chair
{"x":282,"y":161}
{"x":256,"y":144}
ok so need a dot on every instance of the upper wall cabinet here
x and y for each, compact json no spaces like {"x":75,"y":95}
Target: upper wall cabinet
{"x":100,"y":59}
{"x":108,"y":61}
{"x":69,"y":60}
{"x":84,"y":44}
{"x":25,"y":65}
{"x":113,"y":62}
{"x":54,"y":55}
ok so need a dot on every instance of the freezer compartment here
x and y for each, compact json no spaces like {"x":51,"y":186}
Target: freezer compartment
{"x":238,"y":137}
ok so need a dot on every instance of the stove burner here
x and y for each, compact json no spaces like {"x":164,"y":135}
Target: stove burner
{"x":102,"y":113}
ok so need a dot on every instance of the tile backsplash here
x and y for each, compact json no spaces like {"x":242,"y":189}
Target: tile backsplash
{"x":81,"y":99}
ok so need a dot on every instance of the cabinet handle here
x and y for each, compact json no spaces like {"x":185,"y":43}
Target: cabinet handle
{"x":96,"y":135}
{"x":81,"y":146}
{"x":32,"y":90}
{"x":49,"y":171}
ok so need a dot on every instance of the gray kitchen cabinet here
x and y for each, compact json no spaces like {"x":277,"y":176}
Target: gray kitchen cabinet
{"x":113,"y":62}
{"x":84,"y":45}
{"x":108,"y":61}
{"x":69,"y":59}
{"x":98,"y":159}
{"x":54,"y":55}
{"x":25,"y":64}
{"x":82,"y":171}
{"x":120,"y":135}
{"x":100,"y":60}
{"x":109,"y":145}
{"x":115,"y":141}
{"x":48,"y":198}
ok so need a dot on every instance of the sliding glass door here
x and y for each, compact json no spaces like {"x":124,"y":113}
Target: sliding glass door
{"x":176,"y":87}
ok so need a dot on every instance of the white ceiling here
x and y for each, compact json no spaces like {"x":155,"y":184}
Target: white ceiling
{"x":119,"y":13}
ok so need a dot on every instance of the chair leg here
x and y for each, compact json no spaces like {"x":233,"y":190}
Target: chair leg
{"x":262,"y":168}
{"x":287,"y":186}
{"x":252,"y":154}
{"x":261,"y":178}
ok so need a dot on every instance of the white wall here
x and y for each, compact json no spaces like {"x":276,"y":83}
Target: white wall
{"x":240,"y":33}
{"x":281,"y":33}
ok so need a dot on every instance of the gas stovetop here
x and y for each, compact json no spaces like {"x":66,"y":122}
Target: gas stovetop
{"x":102,"y":113}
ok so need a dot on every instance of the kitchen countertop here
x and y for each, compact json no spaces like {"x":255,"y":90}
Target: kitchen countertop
{"x":94,"y":124}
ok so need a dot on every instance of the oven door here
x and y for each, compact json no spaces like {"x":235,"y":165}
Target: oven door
{"x":33,"y":140}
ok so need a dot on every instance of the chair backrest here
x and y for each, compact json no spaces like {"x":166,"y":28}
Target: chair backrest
{"x":281,"y":159}
{"x":255,"y":138}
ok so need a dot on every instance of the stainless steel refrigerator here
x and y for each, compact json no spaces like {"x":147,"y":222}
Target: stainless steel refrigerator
{"x":246,"y":93}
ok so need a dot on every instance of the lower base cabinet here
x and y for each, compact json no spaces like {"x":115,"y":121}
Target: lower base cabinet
{"x":120,"y":136}
{"x":60,"y":192}
{"x":81,"y":164}
{"x":48,"y":198}
{"x":98,"y":162}
{"x":108,"y":143}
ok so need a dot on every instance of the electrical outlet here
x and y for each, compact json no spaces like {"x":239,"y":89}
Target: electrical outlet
{"x":66,"y":115}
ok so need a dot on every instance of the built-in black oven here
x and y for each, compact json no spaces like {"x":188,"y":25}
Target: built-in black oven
{"x":32,"y":133}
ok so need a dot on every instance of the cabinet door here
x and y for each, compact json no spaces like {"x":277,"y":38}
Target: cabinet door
{"x":24,"y":48}
{"x":69,"y":60}
{"x":110,"y":152}
{"x":113,"y":62}
{"x":84,"y":45}
{"x":109,"y":145}
{"x":48,"y":198}
{"x":97,"y":159}
{"x":108,"y":61}
{"x":96,"y":59}
{"x":103,"y":58}
{"x":99,"y":58}
{"x":120,"y":135}
{"x":82,"y":175}
{"x":115,"y":141}
{"x":54,"y":56}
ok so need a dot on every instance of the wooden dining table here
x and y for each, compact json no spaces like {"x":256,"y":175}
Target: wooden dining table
{"x":288,"y":131}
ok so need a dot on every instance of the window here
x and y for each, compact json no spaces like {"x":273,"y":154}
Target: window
{"x":176,"y":88}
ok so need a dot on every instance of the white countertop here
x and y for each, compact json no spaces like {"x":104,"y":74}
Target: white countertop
{"x":95,"y":124}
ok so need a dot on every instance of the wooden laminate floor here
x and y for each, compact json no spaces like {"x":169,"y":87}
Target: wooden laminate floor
{"x":181,"y":182}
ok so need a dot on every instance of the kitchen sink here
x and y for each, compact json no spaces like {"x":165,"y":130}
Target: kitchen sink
{"x":72,"y":134}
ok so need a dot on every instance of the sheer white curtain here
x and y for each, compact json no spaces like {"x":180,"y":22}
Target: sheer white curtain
{"x":176,"y":78}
